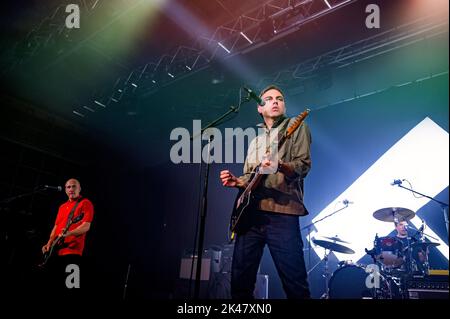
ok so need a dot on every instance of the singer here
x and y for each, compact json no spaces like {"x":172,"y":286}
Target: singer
{"x":273,"y":218}
{"x":67,"y":238}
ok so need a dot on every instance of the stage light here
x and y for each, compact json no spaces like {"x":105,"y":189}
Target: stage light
{"x":246,"y":37}
{"x":99,"y":103}
{"x":223,"y":47}
{"x":88,"y":108}
{"x":78,"y":113}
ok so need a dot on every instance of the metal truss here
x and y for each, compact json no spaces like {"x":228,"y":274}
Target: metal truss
{"x":50,"y":31}
{"x":381,"y":43}
{"x":266,"y":23}
{"x":293,"y":76}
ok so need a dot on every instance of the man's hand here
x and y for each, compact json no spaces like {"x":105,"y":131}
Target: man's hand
{"x":266,"y":162}
{"x":287,"y":170}
{"x":45,"y":248}
{"x":229,"y":180}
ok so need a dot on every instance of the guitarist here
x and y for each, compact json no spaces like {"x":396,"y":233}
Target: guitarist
{"x":273,"y":219}
{"x":70,"y":244}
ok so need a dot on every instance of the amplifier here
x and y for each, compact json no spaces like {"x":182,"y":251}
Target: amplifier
{"x":428,"y":287}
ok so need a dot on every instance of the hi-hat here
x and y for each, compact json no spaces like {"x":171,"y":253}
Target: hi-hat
{"x":336,"y":238}
{"x":392,"y":214}
{"x":333,"y":246}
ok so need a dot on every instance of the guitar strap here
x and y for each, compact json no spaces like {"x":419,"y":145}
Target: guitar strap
{"x":69,"y":219}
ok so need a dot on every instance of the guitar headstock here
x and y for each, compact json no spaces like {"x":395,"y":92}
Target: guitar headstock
{"x":297,"y":122}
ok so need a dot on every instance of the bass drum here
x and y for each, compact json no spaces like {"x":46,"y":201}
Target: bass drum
{"x":349,"y":282}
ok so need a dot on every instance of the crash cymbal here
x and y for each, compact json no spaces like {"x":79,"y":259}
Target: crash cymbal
{"x":333,"y":246}
{"x":424,"y":246}
{"x":336,"y":238}
{"x":392,"y":214}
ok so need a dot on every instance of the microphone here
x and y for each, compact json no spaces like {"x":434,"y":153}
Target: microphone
{"x":346,"y":202}
{"x":254,"y":96}
{"x":55,"y":188}
{"x":421,"y":229}
{"x":397,"y":182}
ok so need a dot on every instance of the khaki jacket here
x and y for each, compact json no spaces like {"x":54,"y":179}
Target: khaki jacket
{"x":277,"y":192}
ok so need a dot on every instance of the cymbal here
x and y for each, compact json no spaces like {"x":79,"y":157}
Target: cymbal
{"x":333,"y":246}
{"x":390,"y":214}
{"x":336,"y":238}
{"x":424,"y":245}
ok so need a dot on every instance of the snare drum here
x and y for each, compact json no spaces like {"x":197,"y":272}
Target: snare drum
{"x":389,"y":251}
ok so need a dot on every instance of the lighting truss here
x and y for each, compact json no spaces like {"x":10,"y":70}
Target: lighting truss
{"x":242,"y":34}
{"x":50,"y":30}
{"x":370,"y":47}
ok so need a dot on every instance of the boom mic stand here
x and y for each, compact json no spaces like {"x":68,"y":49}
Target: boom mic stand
{"x":203,"y":204}
{"x":444,"y":206}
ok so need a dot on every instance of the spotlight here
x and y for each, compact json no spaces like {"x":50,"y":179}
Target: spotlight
{"x":223,"y":47}
{"x":77,"y":113}
{"x":246,"y":37}
{"x":99,"y":103}
{"x":88,"y":108}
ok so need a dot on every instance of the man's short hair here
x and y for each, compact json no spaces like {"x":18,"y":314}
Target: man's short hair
{"x":271,"y":87}
{"x":398,"y":222}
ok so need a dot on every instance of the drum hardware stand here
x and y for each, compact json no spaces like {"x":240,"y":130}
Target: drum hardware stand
{"x":308,"y":227}
{"x":326,"y":275}
{"x":444,"y":206}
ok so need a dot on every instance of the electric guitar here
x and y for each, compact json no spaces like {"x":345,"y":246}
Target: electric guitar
{"x":57,"y":244}
{"x":245,"y":198}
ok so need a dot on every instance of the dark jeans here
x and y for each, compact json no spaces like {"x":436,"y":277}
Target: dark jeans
{"x":281,"y":233}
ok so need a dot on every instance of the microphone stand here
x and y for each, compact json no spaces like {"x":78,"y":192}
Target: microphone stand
{"x":13,"y":198}
{"x":203,"y":207}
{"x":444,"y":206}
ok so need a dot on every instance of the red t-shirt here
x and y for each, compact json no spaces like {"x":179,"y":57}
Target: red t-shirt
{"x":73,"y":244}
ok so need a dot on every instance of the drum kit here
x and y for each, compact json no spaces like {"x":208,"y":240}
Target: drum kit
{"x":396,"y":260}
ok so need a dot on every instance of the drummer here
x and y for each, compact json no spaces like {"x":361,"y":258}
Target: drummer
{"x":418,"y":255}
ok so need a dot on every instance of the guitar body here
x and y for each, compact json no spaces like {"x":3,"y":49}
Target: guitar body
{"x":239,"y":213}
{"x":56,"y":245}
{"x":59,"y":243}
{"x":244,"y":203}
